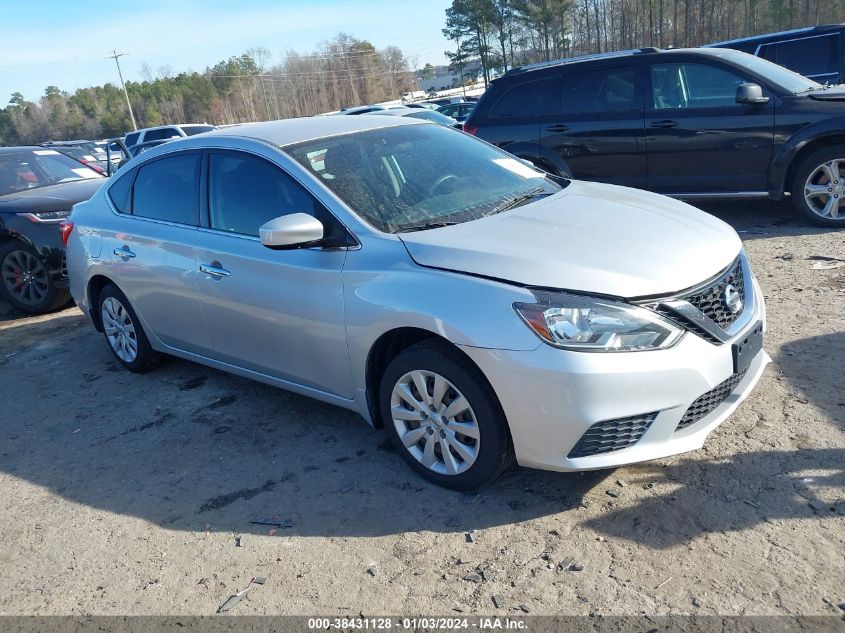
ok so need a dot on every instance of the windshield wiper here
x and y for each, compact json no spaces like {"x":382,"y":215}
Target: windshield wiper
{"x":518,"y":200}
{"x":424,"y":226}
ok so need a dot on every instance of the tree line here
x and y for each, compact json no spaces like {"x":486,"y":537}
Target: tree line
{"x":342,"y":72}
{"x":346,"y":71}
{"x":502,"y":34}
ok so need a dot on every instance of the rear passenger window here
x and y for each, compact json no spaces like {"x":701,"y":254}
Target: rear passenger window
{"x":119,"y":192}
{"x":166,"y":189}
{"x":525,"y":99}
{"x":246,"y":191}
{"x":597,"y":91}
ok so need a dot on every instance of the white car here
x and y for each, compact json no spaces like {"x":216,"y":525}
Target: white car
{"x":165,"y":132}
{"x":477,"y":308}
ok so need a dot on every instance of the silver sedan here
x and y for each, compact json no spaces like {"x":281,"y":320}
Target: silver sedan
{"x":478,"y":309}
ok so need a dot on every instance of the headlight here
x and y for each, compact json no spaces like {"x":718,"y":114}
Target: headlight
{"x":45,"y":217}
{"x":590,"y":324}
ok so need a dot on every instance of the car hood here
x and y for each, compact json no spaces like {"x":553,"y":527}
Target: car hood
{"x":834,"y":93}
{"x":59,"y":197}
{"x":590,"y":237}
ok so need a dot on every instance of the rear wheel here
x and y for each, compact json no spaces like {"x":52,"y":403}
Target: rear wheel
{"x":123,"y":331}
{"x":818,"y":189}
{"x":25,"y":282}
{"x":443,"y":417}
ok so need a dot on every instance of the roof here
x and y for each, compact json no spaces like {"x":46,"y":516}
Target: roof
{"x":823,"y":28}
{"x":290,"y":131}
{"x":7,"y":150}
{"x":581,"y":58}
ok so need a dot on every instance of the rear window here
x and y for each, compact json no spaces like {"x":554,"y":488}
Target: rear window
{"x":163,"y":133}
{"x":197,"y":129}
{"x":120,"y":190}
{"x":132,"y":138}
{"x":524,"y":99}
{"x":167,"y":189}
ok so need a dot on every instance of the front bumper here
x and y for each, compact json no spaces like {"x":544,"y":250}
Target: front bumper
{"x":551,"y":397}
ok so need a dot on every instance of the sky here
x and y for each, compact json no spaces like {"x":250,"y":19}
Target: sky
{"x":65,"y":44}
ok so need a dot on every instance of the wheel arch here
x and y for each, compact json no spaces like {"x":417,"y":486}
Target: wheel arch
{"x":389,"y":345}
{"x":93,"y":289}
{"x":806,"y":150}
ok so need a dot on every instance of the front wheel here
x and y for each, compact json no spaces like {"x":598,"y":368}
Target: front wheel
{"x":443,"y":417}
{"x":25,"y":282}
{"x":818,"y":189}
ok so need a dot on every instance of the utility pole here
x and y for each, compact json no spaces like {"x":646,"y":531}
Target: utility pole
{"x":114,"y":56}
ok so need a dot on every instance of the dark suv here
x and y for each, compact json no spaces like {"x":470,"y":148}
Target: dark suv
{"x":689,"y":123}
{"x":817,"y":52}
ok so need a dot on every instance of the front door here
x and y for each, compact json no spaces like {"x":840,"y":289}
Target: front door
{"x":700,"y":140}
{"x":277,"y":312}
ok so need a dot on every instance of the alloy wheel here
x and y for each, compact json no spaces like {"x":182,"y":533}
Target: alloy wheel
{"x":824,"y":189}
{"x":25,"y":277}
{"x":119,"y":329}
{"x":435,"y":422}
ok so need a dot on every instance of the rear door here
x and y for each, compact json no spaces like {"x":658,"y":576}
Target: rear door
{"x":150,"y":245}
{"x":596,"y":125}
{"x":700,"y":140}
{"x":511,"y":119}
{"x":277,"y":312}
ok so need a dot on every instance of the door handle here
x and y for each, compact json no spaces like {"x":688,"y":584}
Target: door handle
{"x":124,"y":252}
{"x":214,"y":271}
{"x":557,"y":127}
{"x":664,"y":123}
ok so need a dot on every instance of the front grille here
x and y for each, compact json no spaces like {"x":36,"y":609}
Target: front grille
{"x":612,"y":435}
{"x":687,"y":324}
{"x":711,"y":300}
{"x":706,"y":403}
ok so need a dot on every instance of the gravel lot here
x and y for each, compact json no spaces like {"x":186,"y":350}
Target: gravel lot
{"x":127,"y":494}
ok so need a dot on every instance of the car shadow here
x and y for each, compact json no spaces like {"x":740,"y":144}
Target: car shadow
{"x":761,"y":219}
{"x":189,"y":448}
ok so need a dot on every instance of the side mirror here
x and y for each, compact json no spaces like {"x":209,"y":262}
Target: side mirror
{"x":750,"y":94}
{"x":291,"y":231}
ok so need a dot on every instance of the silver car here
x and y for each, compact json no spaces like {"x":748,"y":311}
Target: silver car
{"x":478,"y":309}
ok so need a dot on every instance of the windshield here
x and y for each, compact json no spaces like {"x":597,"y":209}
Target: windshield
{"x":30,"y":169}
{"x":408,"y":177}
{"x":785,"y":78}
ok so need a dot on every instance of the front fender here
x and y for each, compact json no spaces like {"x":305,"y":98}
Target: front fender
{"x":468,"y":311}
{"x":785,"y":156}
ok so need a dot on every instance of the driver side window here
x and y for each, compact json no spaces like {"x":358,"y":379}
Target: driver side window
{"x":688,"y":86}
{"x":246,"y":191}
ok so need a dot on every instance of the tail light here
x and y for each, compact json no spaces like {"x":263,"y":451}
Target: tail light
{"x":470,"y":129}
{"x":65,"y":228}
{"x":93,"y":166}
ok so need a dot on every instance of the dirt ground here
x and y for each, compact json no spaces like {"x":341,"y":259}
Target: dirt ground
{"x":127,"y":494}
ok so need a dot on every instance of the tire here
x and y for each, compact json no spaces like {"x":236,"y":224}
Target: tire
{"x":472,"y":459}
{"x":123,"y":331}
{"x":823,"y":169}
{"x":25,"y":281}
